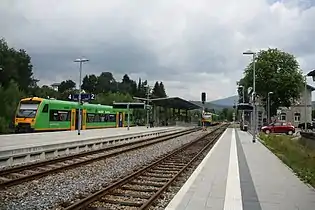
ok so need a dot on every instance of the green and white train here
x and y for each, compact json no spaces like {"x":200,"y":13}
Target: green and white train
{"x":39,"y":114}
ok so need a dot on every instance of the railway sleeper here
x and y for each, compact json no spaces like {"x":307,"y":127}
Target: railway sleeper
{"x":139,"y":188}
{"x":4,"y":179}
{"x":18,"y":175}
{"x":154,"y":179}
{"x":121,"y":202}
{"x":172,"y":165}
{"x":169,"y":169}
{"x":132,"y":194}
{"x":154,"y":175}
{"x":154,"y":184}
{"x":156,"y":171}
{"x":31,"y":171}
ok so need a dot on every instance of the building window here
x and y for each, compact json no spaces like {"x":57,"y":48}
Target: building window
{"x":297,"y":117}
{"x":283,"y":117}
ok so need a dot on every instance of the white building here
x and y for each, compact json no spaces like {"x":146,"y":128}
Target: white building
{"x":55,"y":86}
{"x":296,"y":113}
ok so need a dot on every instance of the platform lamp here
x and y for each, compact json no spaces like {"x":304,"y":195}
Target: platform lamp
{"x":269,"y":115}
{"x":80,"y":60}
{"x":203,"y":99}
{"x":249,"y":52}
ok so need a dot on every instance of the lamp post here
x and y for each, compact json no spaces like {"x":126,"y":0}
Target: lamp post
{"x":243,"y":94}
{"x":268,"y":104}
{"x":305,"y":102}
{"x":249,"y":52}
{"x":147,"y":107}
{"x":80,"y":60}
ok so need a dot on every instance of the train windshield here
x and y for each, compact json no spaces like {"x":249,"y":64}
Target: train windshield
{"x":28,"y":109}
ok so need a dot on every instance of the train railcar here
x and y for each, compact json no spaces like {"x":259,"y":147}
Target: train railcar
{"x":38,"y":114}
{"x":206,"y":119}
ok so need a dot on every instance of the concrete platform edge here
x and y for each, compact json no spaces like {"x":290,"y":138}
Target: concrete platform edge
{"x":181,"y":193}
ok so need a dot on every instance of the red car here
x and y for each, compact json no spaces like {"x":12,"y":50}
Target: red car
{"x":279,"y":127}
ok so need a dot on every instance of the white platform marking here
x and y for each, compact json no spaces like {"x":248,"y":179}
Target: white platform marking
{"x":181,"y":193}
{"x":233,"y":194}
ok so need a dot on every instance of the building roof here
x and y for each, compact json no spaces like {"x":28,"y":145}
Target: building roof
{"x":244,"y":106}
{"x":175,"y":102}
{"x":55,"y":84}
{"x":310,"y":87}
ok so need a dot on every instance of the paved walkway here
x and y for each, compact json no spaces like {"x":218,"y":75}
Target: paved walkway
{"x":239,"y":174}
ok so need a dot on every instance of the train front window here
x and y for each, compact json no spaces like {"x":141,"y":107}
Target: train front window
{"x":27,"y":109}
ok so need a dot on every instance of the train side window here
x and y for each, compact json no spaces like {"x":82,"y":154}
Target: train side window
{"x":90,"y":117}
{"x":45,"y":109}
{"x":59,"y":115}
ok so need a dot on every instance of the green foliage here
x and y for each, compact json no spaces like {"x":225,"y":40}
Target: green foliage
{"x":158,"y":90}
{"x":109,"y":98}
{"x":298,"y":157}
{"x":226,"y":114}
{"x":11,"y":96}
{"x":278,"y":72}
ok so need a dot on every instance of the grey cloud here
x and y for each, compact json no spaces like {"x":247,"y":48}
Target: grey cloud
{"x":190,"y":46}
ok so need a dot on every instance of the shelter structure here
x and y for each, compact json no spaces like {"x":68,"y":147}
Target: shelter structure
{"x":172,"y":110}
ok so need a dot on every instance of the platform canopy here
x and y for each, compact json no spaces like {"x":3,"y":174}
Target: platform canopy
{"x":173,"y":102}
{"x":244,"y":106}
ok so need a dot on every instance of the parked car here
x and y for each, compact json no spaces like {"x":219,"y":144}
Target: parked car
{"x":309,"y":126}
{"x":279,"y":127}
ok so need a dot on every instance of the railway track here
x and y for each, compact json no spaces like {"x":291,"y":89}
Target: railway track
{"x":20,"y":174}
{"x":141,"y":189}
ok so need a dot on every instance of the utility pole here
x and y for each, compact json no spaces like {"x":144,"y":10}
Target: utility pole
{"x":147,"y":107}
{"x":81,"y":60}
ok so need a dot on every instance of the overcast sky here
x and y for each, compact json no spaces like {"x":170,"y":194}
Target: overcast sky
{"x":190,"y":45}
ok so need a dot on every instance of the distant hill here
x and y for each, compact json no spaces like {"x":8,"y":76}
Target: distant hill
{"x":227,"y":102}
{"x":219,"y":104}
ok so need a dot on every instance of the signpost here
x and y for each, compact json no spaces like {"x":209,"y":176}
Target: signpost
{"x":128,"y":106}
{"x":84,"y":97}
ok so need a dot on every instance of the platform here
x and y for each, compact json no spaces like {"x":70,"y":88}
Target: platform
{"x":239,"y":174}
{"x":21,"y":148}
{"x":16,"y":141}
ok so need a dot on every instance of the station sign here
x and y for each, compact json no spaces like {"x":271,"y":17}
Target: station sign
{"x":84,"y":97}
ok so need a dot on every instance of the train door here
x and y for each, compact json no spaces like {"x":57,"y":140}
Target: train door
{"x":119,"y":119}
{"x":72,"y":125}
{"x":84,"y":119}
{"x":77,"y":119}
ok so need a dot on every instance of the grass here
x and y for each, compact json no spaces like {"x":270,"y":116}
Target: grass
{"x":299,"y":157}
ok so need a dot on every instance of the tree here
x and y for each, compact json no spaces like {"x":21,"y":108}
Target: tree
{"x":66,"y":86}
{"x":106,"y":83}
{"x":89,"y":83}
{"x":15,"y":66}
{"x":277,"y":72}
{"x":162,"y":90}
{"x":11,"y":96}
{"x":158,"y":90}
{"x":127,"y":85}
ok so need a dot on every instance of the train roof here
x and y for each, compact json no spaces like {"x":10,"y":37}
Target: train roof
{"x":61,"y":102}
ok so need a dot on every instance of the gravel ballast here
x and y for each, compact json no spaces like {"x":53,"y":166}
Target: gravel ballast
{"x":49,"y":191}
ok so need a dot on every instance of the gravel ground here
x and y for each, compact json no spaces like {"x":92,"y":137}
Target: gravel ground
{"x":49,"y":191}
{"x":89,"y":149}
